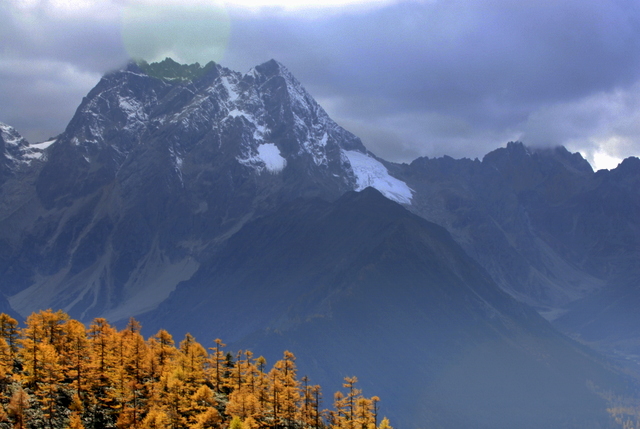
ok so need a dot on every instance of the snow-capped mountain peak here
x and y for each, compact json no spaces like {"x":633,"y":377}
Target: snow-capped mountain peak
{"x":210,"y":145}
{"x":10,"y":136}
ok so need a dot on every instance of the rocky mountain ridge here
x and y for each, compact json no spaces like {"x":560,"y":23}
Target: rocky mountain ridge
{"x":550,"y":230}
{"x":201,"y":138}
{"x":201,"y":196}
{"x":162,"y":162}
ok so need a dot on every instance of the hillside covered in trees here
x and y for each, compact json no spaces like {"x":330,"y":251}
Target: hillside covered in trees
{"x":57,"y":373}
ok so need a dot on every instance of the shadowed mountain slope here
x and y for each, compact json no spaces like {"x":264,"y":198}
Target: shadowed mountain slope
{"x":550,"y":232}
{"x":363,"y":287}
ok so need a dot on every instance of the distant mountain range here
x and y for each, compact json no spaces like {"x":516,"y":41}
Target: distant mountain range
{"x":230,"y":205}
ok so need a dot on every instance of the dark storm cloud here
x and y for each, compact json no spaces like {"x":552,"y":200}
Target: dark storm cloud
{"x":472,"y":71}
{"x":87,"y":42}
{"x":411,"y":78}
{"x":48,"y":64}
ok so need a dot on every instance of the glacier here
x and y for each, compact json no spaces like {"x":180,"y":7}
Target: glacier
{"x":370,"y":172}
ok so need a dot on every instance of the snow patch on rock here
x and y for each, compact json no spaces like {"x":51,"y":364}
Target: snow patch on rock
{"x":43,"y":145}
{"x":259,"y":131}
{"x":32,"y":155}
{"x":370,"y":172}
{"x":230,"y":88}
{"x":268,"y":156}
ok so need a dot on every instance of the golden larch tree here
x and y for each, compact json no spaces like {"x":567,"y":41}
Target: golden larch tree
{"x":217,"y":364}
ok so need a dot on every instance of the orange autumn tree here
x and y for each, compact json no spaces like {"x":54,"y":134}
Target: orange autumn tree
{"x":9,"y":334}
{"x":57,"y":373}
{"x":75,"y":357}
{"x":132,"y":372}
{"x":99,"y":402}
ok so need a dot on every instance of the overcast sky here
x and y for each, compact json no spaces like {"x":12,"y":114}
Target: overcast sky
{"x":411,"y":78}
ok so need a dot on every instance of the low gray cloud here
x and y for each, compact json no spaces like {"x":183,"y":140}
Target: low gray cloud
{"x":48,"y":62}
{"x":411,"y":78}
{"x":40,"y":100}
{"x":602,"y":123}
{"x":458,"y":77}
